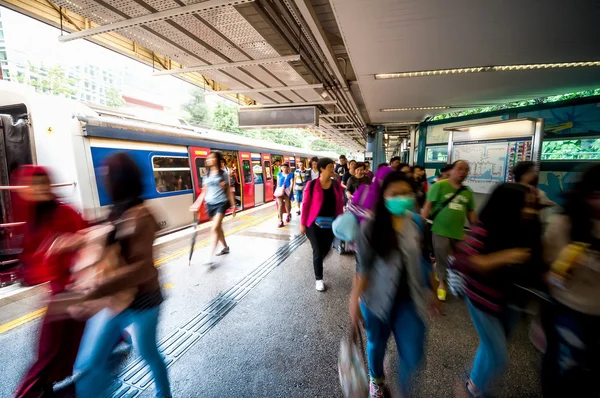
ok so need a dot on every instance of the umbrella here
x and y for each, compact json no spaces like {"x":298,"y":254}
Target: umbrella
{"x":193,"y":242}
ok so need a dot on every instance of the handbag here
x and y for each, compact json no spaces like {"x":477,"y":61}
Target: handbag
{"x":346,"y":227}
{"x":279,"y":192}
{"x":353,"y":374}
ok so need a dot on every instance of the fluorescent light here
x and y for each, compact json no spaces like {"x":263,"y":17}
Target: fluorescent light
{"x":420,"y":108}
{"x":240,"y":64}
{"x":480,"y":69}
{"x":153,"y":17}
{"x":334,"y":115}
{"x":399,"y":123}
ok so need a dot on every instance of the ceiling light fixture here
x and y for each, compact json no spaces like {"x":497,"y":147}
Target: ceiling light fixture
{"x":480,"y":69}
{"x":399,"y":123}
{"x":419,"y":108}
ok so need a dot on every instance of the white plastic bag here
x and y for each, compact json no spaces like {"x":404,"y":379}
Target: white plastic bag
{"x":351,"y":366}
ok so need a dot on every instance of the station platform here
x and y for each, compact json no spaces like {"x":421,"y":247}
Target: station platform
{"x":254,"y":326}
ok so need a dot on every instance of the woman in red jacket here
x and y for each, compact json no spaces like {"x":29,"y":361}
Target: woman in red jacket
{"x":47,"y":219}
{"x":323,"y":202}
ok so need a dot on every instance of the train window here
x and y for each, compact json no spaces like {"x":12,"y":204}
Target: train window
{"x":247,"y":172}
{"x":200,"y":164}
{"x":268,"y":170}
{"x":257,"y":169}
{"x":171,"y":173}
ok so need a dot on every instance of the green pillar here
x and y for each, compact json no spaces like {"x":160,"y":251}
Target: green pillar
{"x":375,"y":145}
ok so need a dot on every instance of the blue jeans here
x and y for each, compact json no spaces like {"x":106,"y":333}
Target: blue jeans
{"x":102,"y":333}
{"x":409,"y":333}
{"x":491,"y":359}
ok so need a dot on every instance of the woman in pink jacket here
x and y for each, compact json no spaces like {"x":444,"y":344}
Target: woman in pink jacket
{"x":323,"y":202}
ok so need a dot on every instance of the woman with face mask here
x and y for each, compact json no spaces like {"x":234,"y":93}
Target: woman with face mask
{"x":389,"y":288}
{"x":502,"y":249}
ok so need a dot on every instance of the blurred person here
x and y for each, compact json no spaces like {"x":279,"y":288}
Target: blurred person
{"x":572,"y":322}
{"x":359,"y":178}
{"x":218,"y":198}
{"x":349,"y":173}
{"x":301,"y":178}
{"x":323,"y":202}
{"x":276,"y":170}
{"x":46,"y":218}
{"x":368,"y":171}
{"x":314,"y":169}
{"x":389,"y":289}
{"x":525,"y":173}
{"x":444,"y":173}
{"x":135,"y":232}
{"x":380,"y":165}
{"x":505,"y":241}
{"x":421,"y":186}
{"x":285,"y":185}
{"x":395,"y":163}
{"x":406,"y":169}
{"x":449,"y":204}
{"x":342,"y":167}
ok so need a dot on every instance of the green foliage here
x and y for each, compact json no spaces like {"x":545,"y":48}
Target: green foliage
{"x":224,"y":118}
{"x":196,"y":109}
{"x":114,"y":99}
{"x":50,"y":80}
{"x":518,"y":104}
{"x":583,"y":149}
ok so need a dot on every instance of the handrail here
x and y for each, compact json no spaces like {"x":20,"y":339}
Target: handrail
{"x":20,"y":187}
{"x":12,"y":224}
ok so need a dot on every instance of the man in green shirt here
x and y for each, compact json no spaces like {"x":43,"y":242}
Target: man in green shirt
{"x":448,"y":225}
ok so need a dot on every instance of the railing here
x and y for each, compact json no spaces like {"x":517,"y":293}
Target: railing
{"x":20,"y":187}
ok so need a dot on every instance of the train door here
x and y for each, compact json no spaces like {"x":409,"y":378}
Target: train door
{"x":259,"y":179}
{"x":198,"y":164}
{"x":268,"y":176}
{"x":247,"y":178}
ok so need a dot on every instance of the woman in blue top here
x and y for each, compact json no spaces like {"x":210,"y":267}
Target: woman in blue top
{"x":285,"y":185}
{"x":218,"y":197}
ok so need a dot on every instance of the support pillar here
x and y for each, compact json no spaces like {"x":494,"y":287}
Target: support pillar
{"x":375,"y":146}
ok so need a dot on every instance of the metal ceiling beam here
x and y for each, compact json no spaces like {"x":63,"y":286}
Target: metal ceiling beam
{"x":311,"y":19}
{"x":153,"y":17}
{"x":288,"y":58}
{"x":334,"y":115}
{"x":288,"y":104}
{"x":266,"y":89}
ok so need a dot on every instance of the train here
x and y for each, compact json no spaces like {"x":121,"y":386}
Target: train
{"x":73,"y":139}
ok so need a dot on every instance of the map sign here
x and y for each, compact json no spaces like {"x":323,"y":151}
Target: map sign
{"x":487,"y":163}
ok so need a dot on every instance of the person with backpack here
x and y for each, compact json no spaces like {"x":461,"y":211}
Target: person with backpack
{"x":218,"y":197}
{"x":285,"y":185}
{"x":323,"y":202}
{"x":449,"y":205}
{"x":572,"y":320}
{"x":134,"y":287}
{"x":301,"y":178}
{"x":390,"y":292}
{"x":499,"y":250}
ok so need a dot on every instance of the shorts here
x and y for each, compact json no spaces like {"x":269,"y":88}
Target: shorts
{"x":299,"y":196}
{"x":213,"y":208}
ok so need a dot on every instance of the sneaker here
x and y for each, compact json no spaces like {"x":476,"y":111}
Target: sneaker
{"x":298,"y":212}
{"x":441,"y":293}
{"x":280,"y":224}
{"x":224,"y":251}
{"x":376,"y":390}
{"x":289,"y":218}
{"x":320,"y":285}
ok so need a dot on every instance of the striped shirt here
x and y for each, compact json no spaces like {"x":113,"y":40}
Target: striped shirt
{"x":486,"y":291}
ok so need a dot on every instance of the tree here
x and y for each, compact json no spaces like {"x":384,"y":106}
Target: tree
{"x":114,"y":99}
{"x":225,"y":118}
{"x":197,"y":111}
{"x":50,"y":80}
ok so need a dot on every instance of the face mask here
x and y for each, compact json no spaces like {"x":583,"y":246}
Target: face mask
{"x":399,"y":205}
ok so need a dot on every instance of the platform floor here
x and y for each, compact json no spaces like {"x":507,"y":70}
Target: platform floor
{"x":260,"y":329}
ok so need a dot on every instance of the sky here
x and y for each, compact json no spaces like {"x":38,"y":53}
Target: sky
{"x":39,"y":41}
